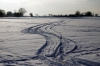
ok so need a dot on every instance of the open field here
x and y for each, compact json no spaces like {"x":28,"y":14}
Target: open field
{"x":50,"y":42}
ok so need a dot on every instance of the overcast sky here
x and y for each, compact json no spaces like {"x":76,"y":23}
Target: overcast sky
{"x":42,"y":7}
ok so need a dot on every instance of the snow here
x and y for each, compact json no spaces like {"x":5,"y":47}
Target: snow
{"x":50,"y":42}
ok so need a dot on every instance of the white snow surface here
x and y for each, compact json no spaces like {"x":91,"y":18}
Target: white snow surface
{"x":50,"y":42}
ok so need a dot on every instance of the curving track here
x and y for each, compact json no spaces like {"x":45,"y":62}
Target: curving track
{"x":56,"y":50}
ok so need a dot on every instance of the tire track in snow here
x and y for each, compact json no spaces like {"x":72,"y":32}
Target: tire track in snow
{"x":56,"y":51}
{"x":55,"y":44}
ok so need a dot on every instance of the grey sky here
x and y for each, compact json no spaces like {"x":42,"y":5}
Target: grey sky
{"x":42,"y":7}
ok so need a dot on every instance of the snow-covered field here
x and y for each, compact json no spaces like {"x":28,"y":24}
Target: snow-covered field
{"x":50,"y":42}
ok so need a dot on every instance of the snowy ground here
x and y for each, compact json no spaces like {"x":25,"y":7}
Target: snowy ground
{"x":50,"y":42}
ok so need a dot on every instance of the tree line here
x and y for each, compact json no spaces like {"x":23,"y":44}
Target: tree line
{"x":19,"y":13}
{"x":22,"y":11}
{"x":78,"y":14}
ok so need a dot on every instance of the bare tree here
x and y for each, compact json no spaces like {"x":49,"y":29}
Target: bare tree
{"x":22,"y":11}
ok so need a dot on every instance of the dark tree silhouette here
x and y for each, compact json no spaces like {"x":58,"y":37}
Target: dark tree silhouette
{"x":31,"y":14}
{"x":2,"y":13}
{"x":77,"y":14}
{"x":17,"y":14}
{"x":96,"y":15}
{"x":22,"y":11}
{"x":71,"y":15}
{"x":88,"y":13}
{"x":66,"y":15}
{"x":9,"y":14}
